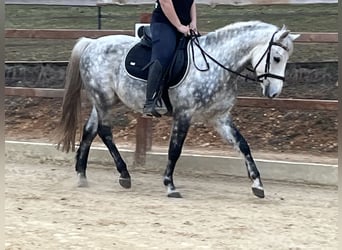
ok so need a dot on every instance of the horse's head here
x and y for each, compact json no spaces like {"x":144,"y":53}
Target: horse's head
{"x":269,"y":61}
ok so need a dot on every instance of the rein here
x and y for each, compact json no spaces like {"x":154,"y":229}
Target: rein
{"x":194,"y":41}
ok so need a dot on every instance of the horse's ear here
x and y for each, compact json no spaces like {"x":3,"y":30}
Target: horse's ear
{"x":282,"y":33}
{"x":294,"y":36}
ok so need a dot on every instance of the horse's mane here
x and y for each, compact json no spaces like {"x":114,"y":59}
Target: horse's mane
{"x":232,"y":30}
{"x":246,"y":25}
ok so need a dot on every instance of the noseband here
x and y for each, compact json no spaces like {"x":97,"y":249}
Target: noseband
{"x":194,"y":40}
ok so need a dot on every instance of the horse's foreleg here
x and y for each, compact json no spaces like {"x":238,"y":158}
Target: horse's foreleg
{"x":230,"y":133}
{"x":105,"y":132}
{"x":89,"y":133}
{"x":179,"y":131}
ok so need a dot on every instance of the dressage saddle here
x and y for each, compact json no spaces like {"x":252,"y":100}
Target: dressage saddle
{"x":138,"y":59}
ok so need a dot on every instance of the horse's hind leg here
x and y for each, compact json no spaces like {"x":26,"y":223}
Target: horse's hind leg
{"x":229,"y":132}
{"x":105,"y":132}
{"x":89,"y":133}
{"x":93,"y":127}
{"x":104,"y":109}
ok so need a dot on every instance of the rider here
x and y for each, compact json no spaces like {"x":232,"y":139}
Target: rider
{"x":170,"y":20}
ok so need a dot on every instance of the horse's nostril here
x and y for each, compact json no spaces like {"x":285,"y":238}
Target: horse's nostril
{"x":270,"y":94}
{"x":273,"y":96}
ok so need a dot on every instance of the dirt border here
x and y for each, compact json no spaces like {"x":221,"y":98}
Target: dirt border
{"x":193,"y":163}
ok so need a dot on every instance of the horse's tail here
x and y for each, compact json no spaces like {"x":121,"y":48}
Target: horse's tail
{"x":71,"y":109}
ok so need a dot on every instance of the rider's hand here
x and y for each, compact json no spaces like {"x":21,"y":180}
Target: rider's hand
{"x":185,"y":30}
{"x":193,"y":26}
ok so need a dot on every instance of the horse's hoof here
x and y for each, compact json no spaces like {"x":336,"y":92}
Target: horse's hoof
{"x":125,"y":182}
{"x":82,"y":182}
{"x":174,"y":194}
{"x":257,"y":188}
{"x":258,"y":192}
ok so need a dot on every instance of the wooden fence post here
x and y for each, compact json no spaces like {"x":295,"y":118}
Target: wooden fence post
{"x":143,"y":141}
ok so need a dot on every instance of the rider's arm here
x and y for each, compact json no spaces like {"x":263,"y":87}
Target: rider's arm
{"x":193,"y":15}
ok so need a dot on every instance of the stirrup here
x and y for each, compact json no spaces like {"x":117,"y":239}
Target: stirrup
{"x":150,"y":109}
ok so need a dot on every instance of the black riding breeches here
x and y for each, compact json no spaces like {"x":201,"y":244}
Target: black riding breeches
{"x":164,"y":42}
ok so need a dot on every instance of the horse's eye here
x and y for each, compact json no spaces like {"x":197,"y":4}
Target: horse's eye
{"x":276,"y":59}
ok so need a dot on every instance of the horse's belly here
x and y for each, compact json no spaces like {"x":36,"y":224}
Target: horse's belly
{"x":209,"y":112}
{"x":200,"y":104}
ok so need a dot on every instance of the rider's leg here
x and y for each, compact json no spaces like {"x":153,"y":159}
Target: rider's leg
{"x":164,"y":41}
{"x":155,"y":77}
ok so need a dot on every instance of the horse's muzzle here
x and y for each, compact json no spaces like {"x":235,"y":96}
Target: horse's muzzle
{"x":270,"y":92}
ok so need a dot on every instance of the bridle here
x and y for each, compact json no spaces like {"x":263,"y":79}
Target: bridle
{"x":268,"y":60}
{"x":194,"y":41}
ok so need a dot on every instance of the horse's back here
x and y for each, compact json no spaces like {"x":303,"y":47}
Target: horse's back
{"x":105,"y":53}
{"x":108,"y":45}
{"x":117,"y":39}
{"x":103,"y":74}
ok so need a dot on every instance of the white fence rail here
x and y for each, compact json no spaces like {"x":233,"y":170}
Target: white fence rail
{"x":138,"y":2}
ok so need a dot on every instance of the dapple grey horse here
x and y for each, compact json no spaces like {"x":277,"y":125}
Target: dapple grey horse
{"x":97,"y":65}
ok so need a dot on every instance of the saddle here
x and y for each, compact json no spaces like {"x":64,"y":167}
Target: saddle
{"x":138,"y":59}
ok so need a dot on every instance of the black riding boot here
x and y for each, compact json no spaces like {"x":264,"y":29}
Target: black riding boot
{"x":154,"y":81}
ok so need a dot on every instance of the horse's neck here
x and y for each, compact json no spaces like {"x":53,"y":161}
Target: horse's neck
{"x":233,"y":47}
